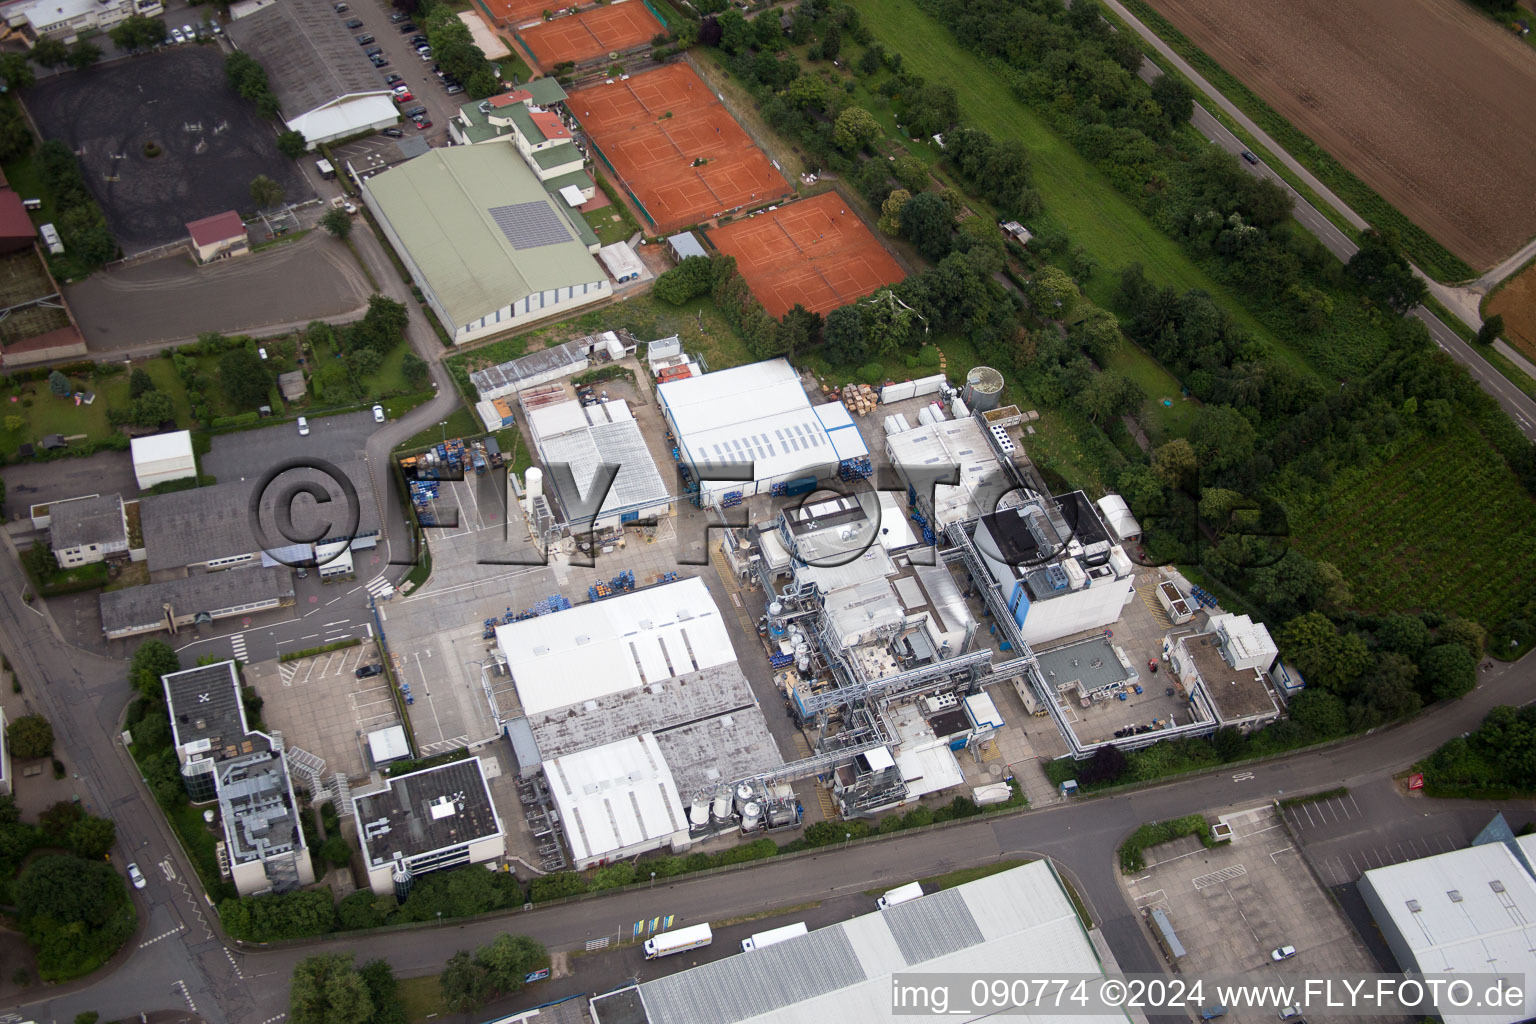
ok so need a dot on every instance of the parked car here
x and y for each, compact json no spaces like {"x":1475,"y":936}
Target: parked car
{"x":422,"y":124}
{"x":407,"y":28}
{"x":394,"y":133}
{"x":365,"y":671}
{"x":454,"y":90}
{"x":427,"y":55}
{"x":136,"y":876}
{"x":1290,"y":1012}
{"x":340,"y":8}
{"x":398,"y":17}
{"x":419,"y":40}
{"x":216,"y":30}
{"x":303,"y":426}
{"x":364,"y":40}
{"x":380,"y":62}
{"x":378,"y":414}
{"x":403,"y":97}
{"x":1283,"y":953}
{"x":1250,"y":157}
{"x":423,"y":47}
{"x":416,"y":112}
{"x":354,"y":23}
{"x":176,"y":35}
{"x":392,"y":79}
{"x":189,"y":31}
{"x":349,"y":206}
{"x":375,"y":51}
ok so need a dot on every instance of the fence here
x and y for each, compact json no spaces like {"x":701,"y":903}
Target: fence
{"x":617,"y":177}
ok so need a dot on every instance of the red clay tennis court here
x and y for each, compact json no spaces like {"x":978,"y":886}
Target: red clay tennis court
{"x":512,"y":13}
{"x":592,"y":33}
{"x":652,"y":128}
{"x":816,"y":252}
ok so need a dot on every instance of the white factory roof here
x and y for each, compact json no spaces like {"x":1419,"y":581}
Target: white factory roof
{"x":614,"y":645}
{"x":177,"y":444}
{"x":638,"y":485}
{"x":1246,"y":640}
{"x":1467,"y":912}
{"x":757,"y":413}
{"x":952,"y":443}
{"x":615,"y":796}
{"x":1118,"y":515}
{"x":1016,"y":921}
{"x":895,"y":528}
{"x":619,"y":258}
{"x":928,"y":768}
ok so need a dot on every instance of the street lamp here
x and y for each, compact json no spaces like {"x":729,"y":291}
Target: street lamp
{"x":653,"y":879}
{"x":847,"y":838}
{"x":444,"y":425}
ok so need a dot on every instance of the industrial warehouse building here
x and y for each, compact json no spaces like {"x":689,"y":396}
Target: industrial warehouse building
{"x":85,"y":530}
{"x":325,"y":87}
{"x":436,"y":818}
{"x":160,"y":458}
{"x":1018,"y":923}
{"x":488,"y":246}
{"x":197,"y":599}
{"x":634,"y":708}
{"x":1465,"y":912}
{"x":752,"y":430}
{"x":224,"y":759}
{"x":210,"y":527}
{"x":573,"y":440}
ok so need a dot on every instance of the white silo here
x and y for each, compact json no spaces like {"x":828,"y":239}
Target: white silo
{"x":751,"y":816}
{"x":744,"y":795}
{"x":533,"y":486}
{"x":698,"y":813}
{"x":721,"y":811}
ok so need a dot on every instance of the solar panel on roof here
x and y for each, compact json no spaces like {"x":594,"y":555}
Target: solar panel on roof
{"x":530,"y":225}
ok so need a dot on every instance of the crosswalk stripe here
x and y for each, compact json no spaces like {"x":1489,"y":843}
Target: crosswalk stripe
{"x":380,"y":587}
{"x":237,"y":642}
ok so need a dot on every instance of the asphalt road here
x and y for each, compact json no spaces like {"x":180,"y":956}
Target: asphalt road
{"x":1519,"y":405}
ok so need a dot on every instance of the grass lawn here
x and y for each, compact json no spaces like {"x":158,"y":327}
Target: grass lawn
{"x":460,"y":423}
{"x":422,"y":999}
{"x":1162,"y":422}
{"x":1077,"y":196}
{"x":1057,"y":447}
{"x":950,"y":879}
{"x":1406,"y":536}
{"x":608,"y":229}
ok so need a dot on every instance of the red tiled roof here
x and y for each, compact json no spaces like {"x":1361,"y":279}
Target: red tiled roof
{"x":14,"y":222}
{"x":221,"y":227}
{"x":515,"y":96}
{"x":550,"y":124}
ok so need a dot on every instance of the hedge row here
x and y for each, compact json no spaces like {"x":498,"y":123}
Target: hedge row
{"x":310,"y":652}
{"x":1133,"y":849}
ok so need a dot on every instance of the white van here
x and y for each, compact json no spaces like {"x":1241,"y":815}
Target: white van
{"x":903,"y":894}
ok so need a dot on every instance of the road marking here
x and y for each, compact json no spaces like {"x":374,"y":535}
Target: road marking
{"x":1217,"y":877}
{"x":380,"y":588}
{"x":274,"y":1020}
{"x":338,"y":622}
{"x":186,"y":995}
{"x":168,"y":870}
{"x":237,"y":642}
{"x":1242,"y":777}
{"x":231,"y":958}
{"x":164,"y":935}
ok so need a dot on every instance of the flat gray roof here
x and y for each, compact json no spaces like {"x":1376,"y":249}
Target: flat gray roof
{"x":637,"y":485}
{"x":83,"y":521}
{"x":432,"y":809}
{"x":206,"y":523}
{"x":538,"y":366}
{"x":1238,"y":693}
{"x":311,"y":57}
{"x":1092,"y":661}
{"x":138,"y":607}
{"x":205,"y":704}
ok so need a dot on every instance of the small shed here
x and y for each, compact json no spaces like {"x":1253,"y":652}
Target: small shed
{"x":1117,"y":514}
{"x":218,"y":237}
{"x":292,"y":385}
{"x":53,"y":442}
{"x":621,"y":262}
{"x":161,"y":457}
{"x":388,"y":745}
{"x":685,"y":244}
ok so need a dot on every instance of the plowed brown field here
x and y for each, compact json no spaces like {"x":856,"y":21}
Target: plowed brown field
{"x":1425,"y":100}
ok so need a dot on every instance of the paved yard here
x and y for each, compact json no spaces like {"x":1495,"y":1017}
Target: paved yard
{"x":35,"y":483}
{"x":172,"y":300}
{"x":320,"y":706}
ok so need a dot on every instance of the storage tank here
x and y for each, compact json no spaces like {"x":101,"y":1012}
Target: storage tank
{"x":775,"y":623}
{"x":698,"y":813}
{"x":802,"y":657}
{"x":751,"y":816}
{"x":721,"y":811}
{"x":744,"y":795}
{"x":533,"y":486}
{"x":983,"y":388}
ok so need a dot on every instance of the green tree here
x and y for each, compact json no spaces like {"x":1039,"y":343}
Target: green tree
{"x":1404,"y":634}
{"x":75,"y":913}
{"x":809,"y":92}
{"x":88,"y":1017}
{"x":16,"y":70}
{"x":799,"y":329}
{"x":58,"y":819}
{"x":844,"y":334}
{"x":244,"y":378}
{"x":364,"y":362}
{"x":15,"y":136}
{"x":887,"y":322}
{"x":1174,"y":97}
{"x":890,"y":211}
{"x":265,"y":192}
{"x":507,"y":960}
{"x":464,"y":983}
{"x":1053,"y":292}
{"x":84,"y":232}
{"x":151,"y":660}
{"x":337,"y":221}
{"x":137,"y":33}
{"x":139,"y":381}
{"x":1491,"y":329}
{"x":1222,"y":437}
{"x":1109,"y":394}
{"x":1175,"y":463}
{"x":29,"y":736}
{"x":1321,"y":654}
{"x":50,"y":52}
{"x":854,"y":129}
{"x":1465,"y":632}
{"x":383,"y":992}
{"x":415,"y":371}
{"x":291,"y":143}
{"x":1322,"y":713}
{"x":928,"y":223}
{"x":92,"y":837}
{"x":151,"y":409}
{"x":327,"y":989}
{"x":1098,"y":332}
{"x":1449,"y":671}
{"x":684,"y":282}
{"x":83,"y":54}
{"x":59,"y":384}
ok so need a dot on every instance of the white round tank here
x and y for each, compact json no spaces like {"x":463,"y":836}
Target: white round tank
{"x":744,"y":794}
{"x":802,"y":662}
{"x":533,"y":481}
{"x":751,"y":816}
{"x":722,"y":806}
{"x":698,"y":813}
{"x":775,"y":608}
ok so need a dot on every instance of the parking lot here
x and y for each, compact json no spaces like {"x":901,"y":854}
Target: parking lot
{"x":209,"y":142}
{"x":1231,"y":905}
{"x":379,"y":152}
{"x":417,"y":74}
{"x":320,"y":706}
